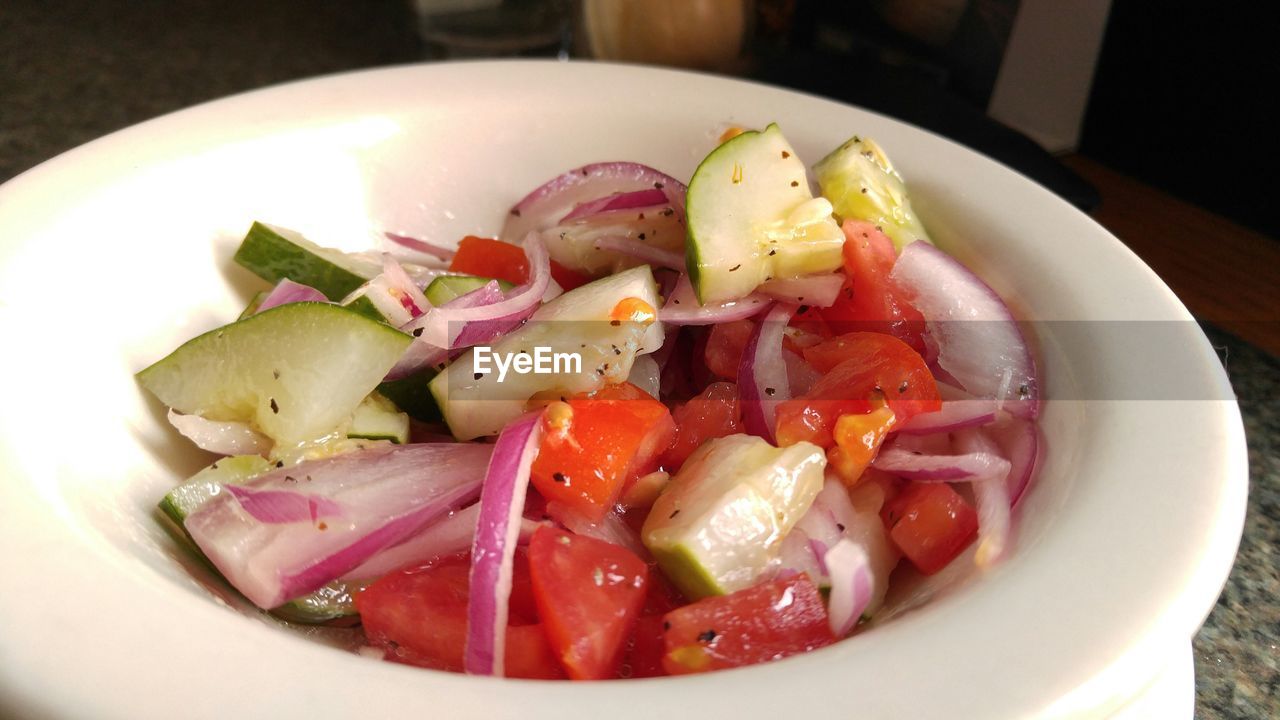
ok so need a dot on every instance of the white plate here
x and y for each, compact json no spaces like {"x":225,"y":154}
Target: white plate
{"x":112,"y":254}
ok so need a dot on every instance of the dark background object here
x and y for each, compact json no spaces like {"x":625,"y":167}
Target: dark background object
{"x":1184,"y":99}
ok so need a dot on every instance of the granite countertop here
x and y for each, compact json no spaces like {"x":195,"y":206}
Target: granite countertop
{"x":74,"y":70}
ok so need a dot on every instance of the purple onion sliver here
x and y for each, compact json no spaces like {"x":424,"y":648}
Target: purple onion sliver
{"x":287,"y":291}
{"x":851,"y":583}
{"x":762,"y":373}
{"x":274,"y":507}
{"x":493,"y":552}
{"x":954,"y":415}
{"x":992,"y":495}
{"x":558,"y":196}
{"x":640,"y":250}
{"x":683,"y":308}
{"x":421,"y":246}
{"x":938,"y":468}
{"x":221,"y":437}
{"x":617,"y":201}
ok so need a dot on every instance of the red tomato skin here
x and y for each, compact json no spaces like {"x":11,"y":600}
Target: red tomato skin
{"x":645,"y":648}
{"x":930,"y":523}
{"x":713,"y":414}
{"x":859,"y":369}
{"x":871,"y":301}
{"x":614,"y":442}
{"x":566,"y":278}
{"x":487,"y":257}
{"x":419,"y":617}
{"x":725,"y":345}
{"x":765,"y":622}
{"x":589,"y":595}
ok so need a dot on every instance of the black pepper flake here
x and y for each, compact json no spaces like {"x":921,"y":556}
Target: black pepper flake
{"x":478,"y":375}
{"x":785,"y":154}
{"x":641,"y":217}
{"x":559,"y":477}
{"x":215,"y":466}
{"x":290,"y":478}
{"x":308,"y":478}
{"x":641,"y":236}
{"x":275,"y":374}
{"x":515,"y":211}
{"x":772,"y":253}
{"x":795,"y":183}
{"x":275,"y":408}
{"x":1024,"y":391}
{"x":584,"y":172}
{"x":675,"y":300}
{"x":769,"y":391}
{"x":735,"y":267}
{"x":864,"y":191}
{"x":615,"y":323}
{"x":279,"y":463}
{"x":417,"y":332}
{"x":606,"y":366}
{"x":617,"y":350}
{"x":599,"y":371}
{"x":840,"y":527}
{"x":707,"y":636}
{"x":666,"y":625}
{"x":658,"y":185}
{"x":673,"y":514}
{"x":802,"y":309}
{"x":903,"y":387}
{"x":669,"y":212}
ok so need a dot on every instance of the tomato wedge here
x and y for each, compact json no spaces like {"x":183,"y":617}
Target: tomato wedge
{"x":713,"y":414}
{"x":861,"y":370}
{"x":608,"y":443}
{"x":870,"y":301}
{"x":589,"y":594}
{"x":487,"y":257}
{"x":931,"y":524}
{"x":643,"y":655}
{"x":725,"y":345}
{"x":419,"y":617}
{"x":764,"y":622}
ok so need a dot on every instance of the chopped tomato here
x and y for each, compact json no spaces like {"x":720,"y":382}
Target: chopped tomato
{"x":725,"y":345}
{"x":603,"y":445}
{"x":713,"y":414}
{"x":858,"y":439}
{"x":764,"y":622}
{"x":870,"y":301}
{"x":644,"y":651}
{"x":419,"y":617}
{"x":860,"y":370}
{"x":589,"y":594}
{"x":930,"y":523}
{"x":491,"y":258}
{"x":566,"y":278}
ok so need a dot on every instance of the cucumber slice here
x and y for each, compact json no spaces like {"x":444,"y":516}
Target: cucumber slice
{"x":377,"y":418}
{"x":577,"y":323}
{"x":723,"y":517}
{"x":862,"y":185}
{"x":412,"y":394}
{"x":254,"y":304}
{"x":333,"y":605}
{"x":294,"y":372}
{"x":752,"y":218}
{"x":274,"y":253}
{"x":449,"y":287}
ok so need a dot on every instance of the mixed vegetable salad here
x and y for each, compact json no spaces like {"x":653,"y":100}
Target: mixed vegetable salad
{"x":782,"y":403}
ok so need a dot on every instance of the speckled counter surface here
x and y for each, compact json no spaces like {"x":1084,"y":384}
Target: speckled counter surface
{"x":73,"y":70}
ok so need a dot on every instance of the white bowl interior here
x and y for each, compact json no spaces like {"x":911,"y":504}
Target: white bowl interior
{"x":115,"y":253}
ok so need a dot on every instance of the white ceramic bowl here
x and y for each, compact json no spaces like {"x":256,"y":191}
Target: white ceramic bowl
{"x":112,"y":254}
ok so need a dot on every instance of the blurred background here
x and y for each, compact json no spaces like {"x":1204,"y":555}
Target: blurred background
{"x":1154,"y":117}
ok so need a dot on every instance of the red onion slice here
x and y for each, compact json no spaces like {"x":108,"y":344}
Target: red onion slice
{"x":222,"y":437}
{"x":992,"y":495}
{"x":383,"y":495}
{"x":557,"y":197}
{"x":851,"y":583}
{"x":683,"y":308}
{"x":421,"y":354}
{"x":642,"y":251}
{"x":403,"y":289}
{"x":939,"y":468}
{"x":979,"y":342}
{"x":1019,"y":441}
{"x":287,"y":291}
{"x":448,"y":536}
{"x":442,"y":326}
{"x":797,"y":555}
{"x":275,"y":507}
{"x":617,"y":201}
{"x":954,"y":415}
{"x":493,"y":552}
{"x":762,"y":374}
{"x":816,"y":290}
{"x":421,"y":246}
{"x":800,"y":374}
